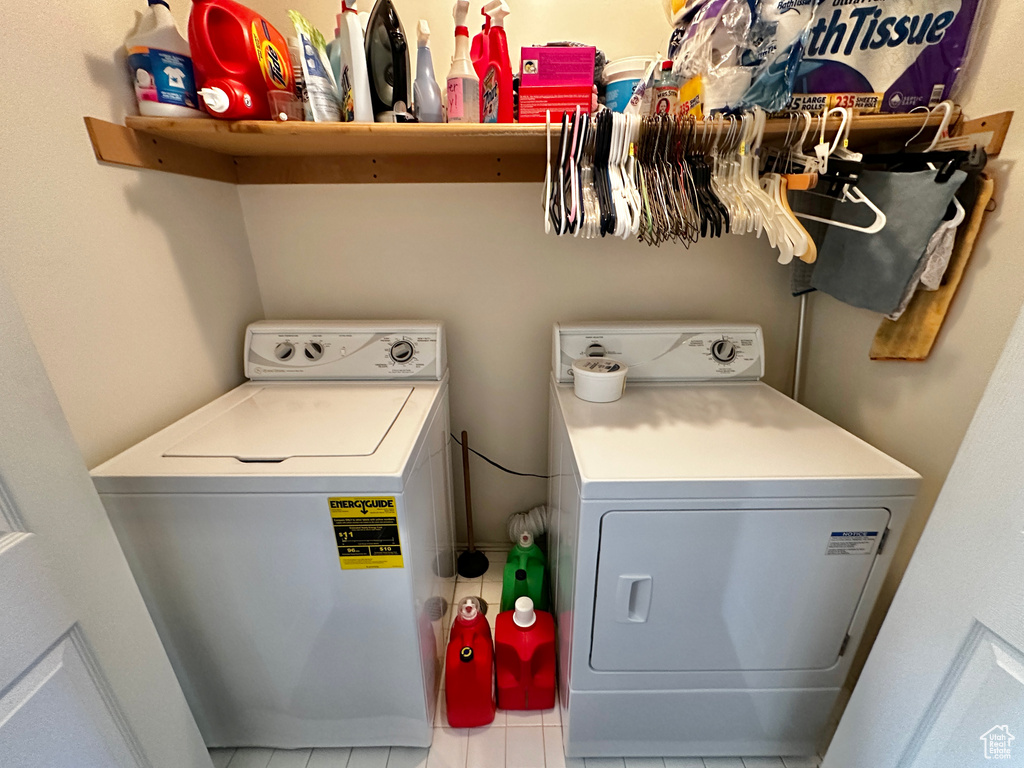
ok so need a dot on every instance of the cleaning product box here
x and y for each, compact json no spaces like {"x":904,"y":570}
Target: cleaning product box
{"x":557,"y":78}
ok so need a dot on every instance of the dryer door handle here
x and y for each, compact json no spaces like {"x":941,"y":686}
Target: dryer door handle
{"x":633,"y":599}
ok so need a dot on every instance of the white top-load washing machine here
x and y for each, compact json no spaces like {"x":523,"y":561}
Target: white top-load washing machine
{"x":294,"y":539}
{"x":716,"y":548}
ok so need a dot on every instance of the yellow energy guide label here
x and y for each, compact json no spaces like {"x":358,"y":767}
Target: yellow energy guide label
{"x":366,"y":532}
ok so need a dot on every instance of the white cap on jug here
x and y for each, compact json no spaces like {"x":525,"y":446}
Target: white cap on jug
{"x":215,"y":98}
{"x":526,"y":539}
{"x":469,"y":608}
{"x":524,"y":615}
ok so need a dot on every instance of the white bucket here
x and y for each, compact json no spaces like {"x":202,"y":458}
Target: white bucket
{"x":620,"y":78}
{"x":599,"y":379}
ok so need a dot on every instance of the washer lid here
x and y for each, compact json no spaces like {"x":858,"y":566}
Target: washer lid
{"x":280,"y":422}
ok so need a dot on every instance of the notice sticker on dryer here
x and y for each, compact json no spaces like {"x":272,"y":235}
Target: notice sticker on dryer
{"x":366,"y":532}
{"x":851,"y":542}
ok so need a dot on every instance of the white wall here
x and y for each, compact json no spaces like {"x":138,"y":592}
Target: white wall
{"x":918,"y":412}
{"x":476,"y":257}
{"x":136,"y":285}
{"x":618,"y":28}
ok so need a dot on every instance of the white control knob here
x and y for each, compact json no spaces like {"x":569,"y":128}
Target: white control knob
{"x":284,"y":351}
{"x":402,"y":351}
{"x":314,"y":350}
{"x":724,"y":351}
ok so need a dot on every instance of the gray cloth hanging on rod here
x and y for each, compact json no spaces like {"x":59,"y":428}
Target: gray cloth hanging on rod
{"x":873,"y":271}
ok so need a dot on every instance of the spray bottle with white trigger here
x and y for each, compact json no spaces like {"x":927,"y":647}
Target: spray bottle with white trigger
{"x":463,"y":97}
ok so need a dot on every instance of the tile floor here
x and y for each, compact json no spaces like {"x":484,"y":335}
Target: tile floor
{"x":514,"y":740}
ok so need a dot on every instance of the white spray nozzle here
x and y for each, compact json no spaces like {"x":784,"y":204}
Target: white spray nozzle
{"x":423,"y":33}
{"x":524,"y":615}
{"x":349,"y":6}
{"x":461,"y":12}
{"x":497,"y":10}
{"x":526,"y":539}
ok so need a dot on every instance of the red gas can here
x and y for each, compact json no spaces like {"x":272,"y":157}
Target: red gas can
{"x":524,"y":646}
{"x":469,"y":669}
{"x":238,"y":57}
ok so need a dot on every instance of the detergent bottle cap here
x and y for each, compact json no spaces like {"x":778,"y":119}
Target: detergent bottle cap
{"x":215,"y":98}
{"x":469,"y":609}
{"x":497,"y":11}
{"x":524,"y":615}
{"x":423,"y":33}
{"x":526,"y":540}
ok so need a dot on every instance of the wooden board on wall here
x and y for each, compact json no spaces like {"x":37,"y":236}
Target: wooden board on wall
{"x":265,"y":152}
{"x":390,"y":169}
{"x":119,"y":145}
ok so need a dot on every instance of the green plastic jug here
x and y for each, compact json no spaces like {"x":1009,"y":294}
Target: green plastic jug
{"x":526,"y":573}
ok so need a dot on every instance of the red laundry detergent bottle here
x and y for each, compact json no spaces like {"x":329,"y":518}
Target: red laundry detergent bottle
{"x":524,"y":646}
{"x":238,"y":57}
{"x":496,"y":98}
{"x":469,"y":669}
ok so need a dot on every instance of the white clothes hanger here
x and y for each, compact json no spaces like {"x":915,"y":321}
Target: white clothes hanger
{"x":854,"y":196}
{"x":824,"y":151}
{"x":546,"y":202}
{"x":940,"y":133}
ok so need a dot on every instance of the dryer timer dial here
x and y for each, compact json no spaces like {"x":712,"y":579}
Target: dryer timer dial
{"x":724,"y":351}
{"x":402,"y":351}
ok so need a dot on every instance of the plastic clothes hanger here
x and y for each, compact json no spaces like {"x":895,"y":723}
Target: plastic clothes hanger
{"x":810,"y":253}
{"x":850,"y":194}
{"x":558,"y":194}
{"x":854,"y":195}
{"x":947,"y":107}
{"x":547,"y":177}
{"x":809,"y":178}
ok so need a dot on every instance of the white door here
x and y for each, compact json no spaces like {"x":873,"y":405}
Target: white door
{"x":84,"y":681}
{"x":944,"y":685}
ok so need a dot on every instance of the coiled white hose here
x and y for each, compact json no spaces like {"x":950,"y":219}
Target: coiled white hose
{"x":534,"y":522}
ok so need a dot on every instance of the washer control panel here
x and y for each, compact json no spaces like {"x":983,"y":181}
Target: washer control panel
{"x":345,"y":350}
{"x":659,"y":351}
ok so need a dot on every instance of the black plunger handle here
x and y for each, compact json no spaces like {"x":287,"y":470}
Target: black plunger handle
{"x":469,"y":495}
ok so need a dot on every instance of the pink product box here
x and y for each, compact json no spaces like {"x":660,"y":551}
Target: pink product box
{"x":556,"y":65}
{"x":557,"y":79}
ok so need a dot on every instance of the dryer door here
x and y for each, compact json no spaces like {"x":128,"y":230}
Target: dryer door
{"x":730,"y":590}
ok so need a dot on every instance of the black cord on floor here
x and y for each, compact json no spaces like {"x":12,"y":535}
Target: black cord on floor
{"x":496,"y":464}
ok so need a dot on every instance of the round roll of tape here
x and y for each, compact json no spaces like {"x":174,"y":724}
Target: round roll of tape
{"x":599,"y":379}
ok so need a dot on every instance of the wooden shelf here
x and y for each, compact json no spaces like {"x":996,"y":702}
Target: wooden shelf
{"x":258,"y":152}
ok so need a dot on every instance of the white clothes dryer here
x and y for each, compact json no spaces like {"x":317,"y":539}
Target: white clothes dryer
{"x":294,"y":539}
{"x":716,"y":548}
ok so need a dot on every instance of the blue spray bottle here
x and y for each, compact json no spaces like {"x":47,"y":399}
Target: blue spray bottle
{"x":426,"y":95}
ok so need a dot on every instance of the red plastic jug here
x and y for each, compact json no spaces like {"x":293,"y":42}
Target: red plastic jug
{"x":238,"y":57}
{"x":524,"y":645}
{"x":469,"y":669}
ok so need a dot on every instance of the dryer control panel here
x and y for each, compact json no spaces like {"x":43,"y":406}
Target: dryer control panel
{"x":660,"y":351}
{"x":354,"y":351}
